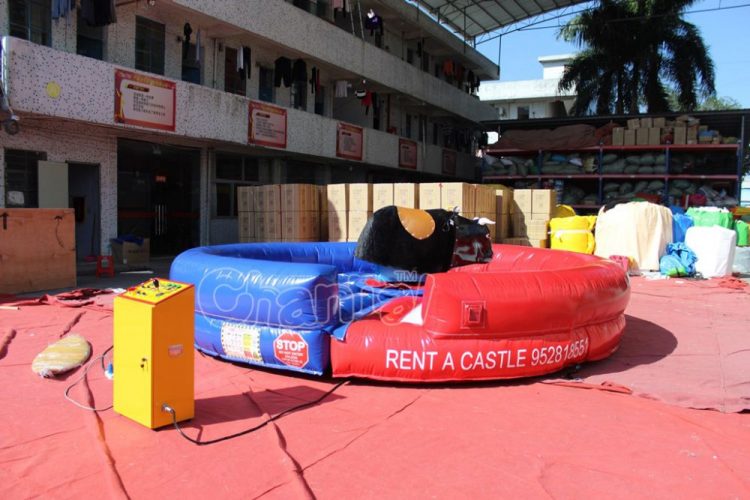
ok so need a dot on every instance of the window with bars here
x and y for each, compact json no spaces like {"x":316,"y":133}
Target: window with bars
{"x":31,"y":20}
{"x":21,"y":178}
{"x":149,"y":45}
{"x":234,"y":79}
{"x":232,"y":172}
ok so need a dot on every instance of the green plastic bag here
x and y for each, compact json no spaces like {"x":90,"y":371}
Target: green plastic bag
{"x":742,"y":229}
{"x":711,"y":216}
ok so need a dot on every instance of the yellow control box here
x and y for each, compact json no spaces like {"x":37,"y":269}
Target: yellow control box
{"x":153,"y":352}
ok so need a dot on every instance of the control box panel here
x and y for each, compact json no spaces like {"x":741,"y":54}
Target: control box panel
{"x":155,"y":290}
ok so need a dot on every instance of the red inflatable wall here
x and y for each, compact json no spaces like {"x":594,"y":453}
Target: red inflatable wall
{"x":526,"y":313}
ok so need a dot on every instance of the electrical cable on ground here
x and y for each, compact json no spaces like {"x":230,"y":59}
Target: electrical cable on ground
{"x":170,"y":410}
{"x":83,"y":376}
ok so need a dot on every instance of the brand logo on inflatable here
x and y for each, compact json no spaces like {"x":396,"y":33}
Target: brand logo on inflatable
{"x":291,"y":349}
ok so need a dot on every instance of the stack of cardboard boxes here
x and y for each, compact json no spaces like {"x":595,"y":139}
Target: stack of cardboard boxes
{"x":300,"y":212}
{"x":655,"y":131}
{"x":531,"y":212}
{"x":473,"y":200}
{"x":348,"y":206}
{"x":503,"y":210}
{"x":276,"y":212}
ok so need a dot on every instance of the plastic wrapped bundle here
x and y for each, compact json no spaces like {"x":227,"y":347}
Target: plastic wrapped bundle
{"x":639,"y":230}
{"x":714,"y":247}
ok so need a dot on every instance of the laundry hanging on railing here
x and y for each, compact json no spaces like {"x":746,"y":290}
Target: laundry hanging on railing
{"x":374,"y":23}
{"x":299,"y":71}
{"x":243,"y":61}
{"x":314,"y":80}
{"x":341,"y":88}
{"x":61,"y":8}
{"x":340,"y":7}
{"x":282,"y":72}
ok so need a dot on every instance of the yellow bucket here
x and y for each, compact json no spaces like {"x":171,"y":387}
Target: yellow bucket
{"x":574,"y":234}
{"x":564,"y":211}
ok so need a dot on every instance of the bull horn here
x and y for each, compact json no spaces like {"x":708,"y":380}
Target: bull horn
{"x":483,"y":221}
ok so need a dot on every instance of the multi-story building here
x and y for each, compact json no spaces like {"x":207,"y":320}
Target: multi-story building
{"x":527,"y":99}
{"x":146,"y":116}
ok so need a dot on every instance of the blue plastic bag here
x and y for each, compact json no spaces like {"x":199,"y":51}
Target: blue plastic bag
{"x":680,"y":225}
{"x":678,"y":261}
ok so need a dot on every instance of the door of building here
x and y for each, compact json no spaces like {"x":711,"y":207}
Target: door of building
{"x":158,"y":194}
{"x":83,"y":195}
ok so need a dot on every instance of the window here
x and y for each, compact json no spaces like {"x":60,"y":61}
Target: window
{"x":31,"y":20}
{"x":523,"y":112}
{"x":191,"y":68}
{"x":265,"y":86}
{"x":299,"y":95}
{"x":234,"y":80}
{"x":426,"y":62}
{"x":410,"y":56}
{"x":21,"y":178}
{"x":408,"y":126}
{"x":320,"y":101}
{"x":232,"y":171}
{"x":90,"y":39}
{"x":149,"y":45}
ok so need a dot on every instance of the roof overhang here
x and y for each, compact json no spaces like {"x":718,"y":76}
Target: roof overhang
{"x":472,"y":18}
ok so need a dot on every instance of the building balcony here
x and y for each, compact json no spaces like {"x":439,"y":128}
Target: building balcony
{"x":48,"y":83}
{"x":311,"y":37}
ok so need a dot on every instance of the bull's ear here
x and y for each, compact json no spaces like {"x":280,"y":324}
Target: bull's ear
{"x":417,"y":223}
{"x":483,"y":221}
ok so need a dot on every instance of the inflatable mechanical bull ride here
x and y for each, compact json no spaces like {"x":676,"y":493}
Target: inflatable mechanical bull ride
{"x":463,"y":309}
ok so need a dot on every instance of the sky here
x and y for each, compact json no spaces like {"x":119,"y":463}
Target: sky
{"x":725,"y":31}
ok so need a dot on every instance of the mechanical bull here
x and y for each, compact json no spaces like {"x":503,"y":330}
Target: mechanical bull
{"x":425,"y":241}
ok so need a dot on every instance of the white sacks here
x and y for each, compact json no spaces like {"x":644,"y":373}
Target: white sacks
{"x":714,"y":246}
{"x":639,"y":230}
{"x":741,"y":260}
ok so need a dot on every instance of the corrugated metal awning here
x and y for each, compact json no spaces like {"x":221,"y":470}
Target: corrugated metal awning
{"x":471,"y":18}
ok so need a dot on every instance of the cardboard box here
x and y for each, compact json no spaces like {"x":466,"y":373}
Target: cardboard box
{"x":406,"y":194}
{"x":522,"y":201}
{"x":518,"y":224}
{"x":300,"y":226}
{"x":503,"y":198}
{"x":537,"y":229}
{"x":647,"y":122}
{"x":660,"y":122}
{"x":357,"y":221}
{"x":543,"y":201}
{"x":618,"y":136}
{"x":458,"y":194}
{"x":429,"y":195}
{"x":260,"y":226}
{"x":630,"y":138}
{"x":654,"y":136}
{"x":337,"y":226}
{"x":267,"y":198}
{"x":641,"y":137}
{"x":360,"y":197}
{"x":130,"y":253}
{"x":502,"y":223}
{"x":323,"y":213}
{"x":382,"y":196}
{"x":679,"y":135}
{"x":272,"y":226}
{"x":246,"y":227}
{"x":486,"y":199}
{"x":538,"y":243}
{"x":634,"y":124}
{"x":299,"y":198}
{"x":245,"y":199}
{"x":337,"y":198}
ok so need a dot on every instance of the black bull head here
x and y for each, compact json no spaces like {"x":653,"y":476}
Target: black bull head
{"x":425,"y":241}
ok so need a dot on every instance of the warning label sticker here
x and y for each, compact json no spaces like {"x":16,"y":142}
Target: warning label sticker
{"x":241,"y":341}
{"x":291,"y":349}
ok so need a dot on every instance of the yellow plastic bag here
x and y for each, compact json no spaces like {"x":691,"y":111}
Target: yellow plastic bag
{"x":574,"y":234}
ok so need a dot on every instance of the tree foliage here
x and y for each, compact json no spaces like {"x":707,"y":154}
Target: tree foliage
{"x":633,"y":52}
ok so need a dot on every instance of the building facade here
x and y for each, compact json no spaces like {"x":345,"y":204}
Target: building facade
{"x":528,"y":99}
{"x":149,"y":117}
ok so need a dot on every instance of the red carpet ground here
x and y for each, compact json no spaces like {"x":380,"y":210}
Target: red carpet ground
{"x":581,"y":434}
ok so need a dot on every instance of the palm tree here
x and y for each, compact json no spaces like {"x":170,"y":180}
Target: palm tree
{"x":636,"y":51}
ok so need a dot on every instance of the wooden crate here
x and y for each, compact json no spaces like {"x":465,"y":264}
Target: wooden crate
{"x":37,"y":249}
